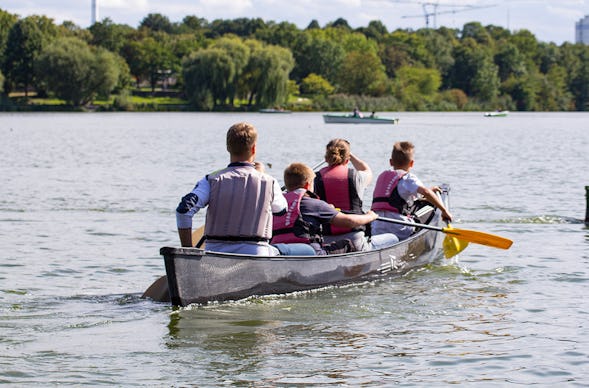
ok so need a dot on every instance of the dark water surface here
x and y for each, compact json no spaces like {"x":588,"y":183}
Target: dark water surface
{"x":87,"y":200}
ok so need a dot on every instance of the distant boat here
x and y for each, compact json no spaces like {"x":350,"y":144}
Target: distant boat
{"x":497,"y":113}
{"x":351,"y":119}
{"x":273,"y":110}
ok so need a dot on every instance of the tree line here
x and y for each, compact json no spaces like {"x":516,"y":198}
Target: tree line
{"x":231,"y":64}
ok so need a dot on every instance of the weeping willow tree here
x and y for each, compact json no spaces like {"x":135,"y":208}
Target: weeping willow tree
{"x":266,"y":78}
{"x":207,"y":74}
{"x":240,"y":56}
{"x":233,"y":68}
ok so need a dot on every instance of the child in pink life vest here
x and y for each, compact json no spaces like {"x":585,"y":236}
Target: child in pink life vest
{"x":395,"y":191}
{"x":306,"y":214}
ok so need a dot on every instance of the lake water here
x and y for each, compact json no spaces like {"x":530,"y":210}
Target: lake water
{"x":87,"y":200}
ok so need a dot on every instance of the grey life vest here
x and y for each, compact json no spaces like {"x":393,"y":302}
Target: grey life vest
{"x":239,"y":204}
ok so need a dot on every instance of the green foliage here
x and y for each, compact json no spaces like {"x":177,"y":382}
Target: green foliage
{"x":415,"y":80}
{"x":25,"y":42}
{"x":239,"y":54}
{"x":223,"y":63}
{"x":343,"y":102}
{"x":157,"y":22}
{"x":314,"y":84}
{"x":109,"y":35}
{"x":77,"y":73}
{"x":149,"y":59}
{"x":266,"y":81}
{"x":7,"y":21}
{"x":315,"y":52}
{"x":206,"y":75}
{"x":363,"y":73}
{"x":474,"y":71}
{"x":456,"y":97}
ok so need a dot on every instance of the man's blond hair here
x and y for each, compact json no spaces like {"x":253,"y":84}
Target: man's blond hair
{"x":241,"y":137}
{"x":296,"y":175}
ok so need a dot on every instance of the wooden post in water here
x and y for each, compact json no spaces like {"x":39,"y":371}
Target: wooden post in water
{"x":587,"y":205}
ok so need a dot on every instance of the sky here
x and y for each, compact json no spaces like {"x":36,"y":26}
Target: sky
{"x":549,"y":21}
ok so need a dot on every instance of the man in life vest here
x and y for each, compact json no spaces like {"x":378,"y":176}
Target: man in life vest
{"x":306,"y":214}
{"x":241,"y":201}
{"x":395,"y":191}
{"x":344,"y":188}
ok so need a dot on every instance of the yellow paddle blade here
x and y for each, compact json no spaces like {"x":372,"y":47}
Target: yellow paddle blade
{"x":453,"y":245}
{"x":197,"y":235}
{"x":476,"y":237}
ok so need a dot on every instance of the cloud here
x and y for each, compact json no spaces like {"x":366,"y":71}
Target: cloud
{"x":124,"y":4}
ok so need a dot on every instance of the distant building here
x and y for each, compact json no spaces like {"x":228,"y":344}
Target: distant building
{"x":582,"y":30}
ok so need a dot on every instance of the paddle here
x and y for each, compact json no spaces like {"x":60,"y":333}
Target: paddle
{"x":472,"y":236}
{"x":158,"y":290}
{"x":453,"y":245}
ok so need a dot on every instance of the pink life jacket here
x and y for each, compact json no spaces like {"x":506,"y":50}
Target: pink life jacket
{"x":336,"y":185}
{"x":386,"y":194}
{"x":290,"y":227}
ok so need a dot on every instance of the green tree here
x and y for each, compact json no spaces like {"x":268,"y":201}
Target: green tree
{"x":527,"y":44}
{"x":579,"y":81}
{"x":109,"y":35}
{"x":315,"y":53}
{"x":476,"y":31}
{"x":425,"y":82}
{"x":193,"y":25}
{"x":340,"y":23}
{"x":279,"y":34}
{"x":242,"y":27}
{"x":553,"y":94}
{"x":240,"y":57}
{"x":509,"y":61}
{"x":25,"y":42}
{"x":77,"y":73}
{"x":440,"y":44}
{"x":314,"y":84}
{"x":474,"y":71}
{"x":266,"y":78}
{"x":524,"y":91}
{"x":157,"y":22}
{"x":7,"y":21}
{"x":375,"y":30}
{"x":206,"y":75}
{"x":403,"y":48}
{"x":149,"y":59}
{"x":549,"y":54}
{"x":313,"y":25}
{"x":363,"y":74}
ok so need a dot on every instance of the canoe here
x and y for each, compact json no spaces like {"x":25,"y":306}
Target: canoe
{"x":349,"y":119}
{"x":200,"y":276}
{"x":501,"y":113}
{"x":270,"y":110}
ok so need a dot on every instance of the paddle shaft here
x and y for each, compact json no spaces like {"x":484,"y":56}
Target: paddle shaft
{"x":408,"y":223}
{"x":463,"y":234}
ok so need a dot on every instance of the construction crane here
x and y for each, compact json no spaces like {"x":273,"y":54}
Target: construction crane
{"x":431,"y":9}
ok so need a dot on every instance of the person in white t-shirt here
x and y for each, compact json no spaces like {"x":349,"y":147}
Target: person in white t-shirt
{"x":396,"y":189}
